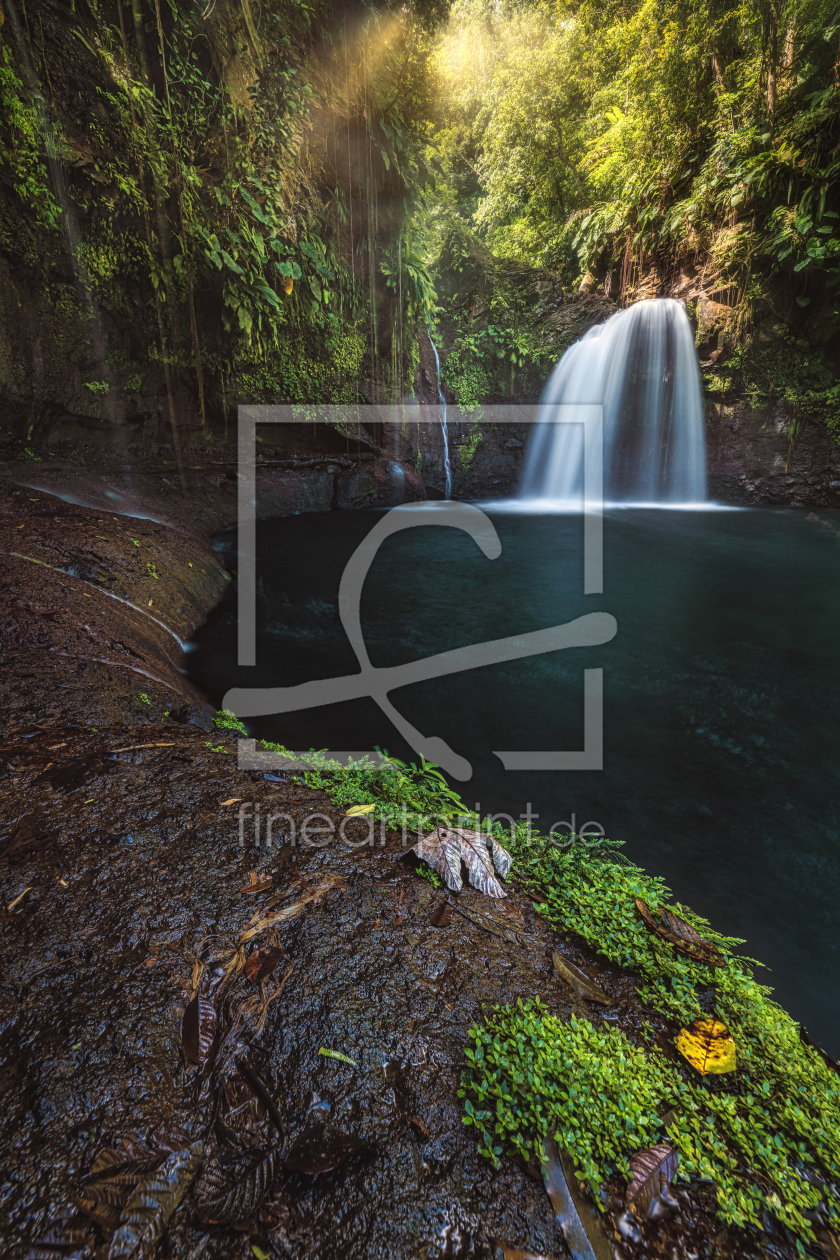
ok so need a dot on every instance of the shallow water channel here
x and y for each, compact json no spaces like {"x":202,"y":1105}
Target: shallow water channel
{"x":721,"y":694}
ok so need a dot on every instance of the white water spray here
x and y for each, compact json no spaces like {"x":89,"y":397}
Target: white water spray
{"x":642,"y":366}
{"x":447,"y":467}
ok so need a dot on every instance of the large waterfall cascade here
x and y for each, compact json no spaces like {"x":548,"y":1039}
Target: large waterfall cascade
{"x":642,"y":366}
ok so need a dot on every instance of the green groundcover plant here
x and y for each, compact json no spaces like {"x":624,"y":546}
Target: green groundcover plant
{"x":410,"y":796}
{"x":767,"y":1137}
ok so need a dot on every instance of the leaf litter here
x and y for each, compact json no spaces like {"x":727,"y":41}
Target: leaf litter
{"x":147,"y":1212}
{"x":255,"y":884}
{"x":670,"y":927}
{"x":447,"y":847}
{"x":441,"y":916}
{"x":198,"y":1029}
{"x":130,"y":1193}
{"x":321,"y":1147}
{"x":577,"y":1218}
{"x":653,"y":1170}
{"x":262,"y":963}
{"x":580,"y":982}
{"x":234,"y":1182}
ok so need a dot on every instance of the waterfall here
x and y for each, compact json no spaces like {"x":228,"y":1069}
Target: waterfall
{"x":447,"y":467}
{"x":642,"y":365}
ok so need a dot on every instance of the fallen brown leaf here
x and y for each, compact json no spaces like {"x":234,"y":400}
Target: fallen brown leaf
{"x":670,"y":927}
{"x":419,"y":1126}
{"x":446,"y":847}
{"x":652,"y":1173}
{"x":147,"y":1212}
{"x":233,"y":1184}
{"x":198,"y":1028}
{"x":260,"y":964}
{"x":580,"y":982}
{"x":441,"y":916}
{"x":255,"y":884}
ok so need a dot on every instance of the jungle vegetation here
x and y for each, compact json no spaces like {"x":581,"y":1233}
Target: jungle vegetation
{"x":276,"y":197}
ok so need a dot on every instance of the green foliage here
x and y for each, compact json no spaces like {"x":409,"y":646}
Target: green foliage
{"x":405,"y":795}
{"x":780,"y":1116}
{"x":214,"y":208}
{"x":225,"y":720}
{"x":792,"y":369}
{"x":530,"y":1075}
{"x":485,"y":364}
{"x":302,"y":368}
{"x":469,"y":446}
{"x":597,"y":138}
{"x":407,"y":276}
{"x":23,"y":146}
{"x":431,"y":877}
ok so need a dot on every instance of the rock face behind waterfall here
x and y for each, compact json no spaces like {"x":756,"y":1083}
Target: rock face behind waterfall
{"x":641,"y":366}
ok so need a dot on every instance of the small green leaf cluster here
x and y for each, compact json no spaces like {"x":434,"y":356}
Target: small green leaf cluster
{"x":226,"y":720}
{"x":413,"y":796}
{"x":431,"y":877}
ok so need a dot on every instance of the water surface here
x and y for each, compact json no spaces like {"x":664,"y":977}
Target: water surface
{"x":721,"y":695}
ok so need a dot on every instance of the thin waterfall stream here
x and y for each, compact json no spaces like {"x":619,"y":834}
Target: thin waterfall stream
{"x":447,"y":467}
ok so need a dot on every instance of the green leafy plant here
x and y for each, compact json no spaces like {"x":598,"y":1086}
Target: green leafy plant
{"x":404,"y":795}
{"x":782,"y":1116}
{"x":530,"y":1074}
{"x":23,"y":145}
{"x":225,"y":720}
{"x":432,"y":877}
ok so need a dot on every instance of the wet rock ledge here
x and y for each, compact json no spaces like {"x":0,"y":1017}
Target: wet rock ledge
{"x":128,"y":875}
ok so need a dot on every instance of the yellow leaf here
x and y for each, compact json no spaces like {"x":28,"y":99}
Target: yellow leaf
{"x":707,"y":1046}
{"x":289,"y":285}
{"x":356,"y":810}
{"x":232,"y":801}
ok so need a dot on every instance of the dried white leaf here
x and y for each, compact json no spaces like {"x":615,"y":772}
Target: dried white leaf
{"x":447,"y":847}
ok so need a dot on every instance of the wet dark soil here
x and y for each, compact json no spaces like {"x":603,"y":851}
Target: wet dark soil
{"x":126,"y":877}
